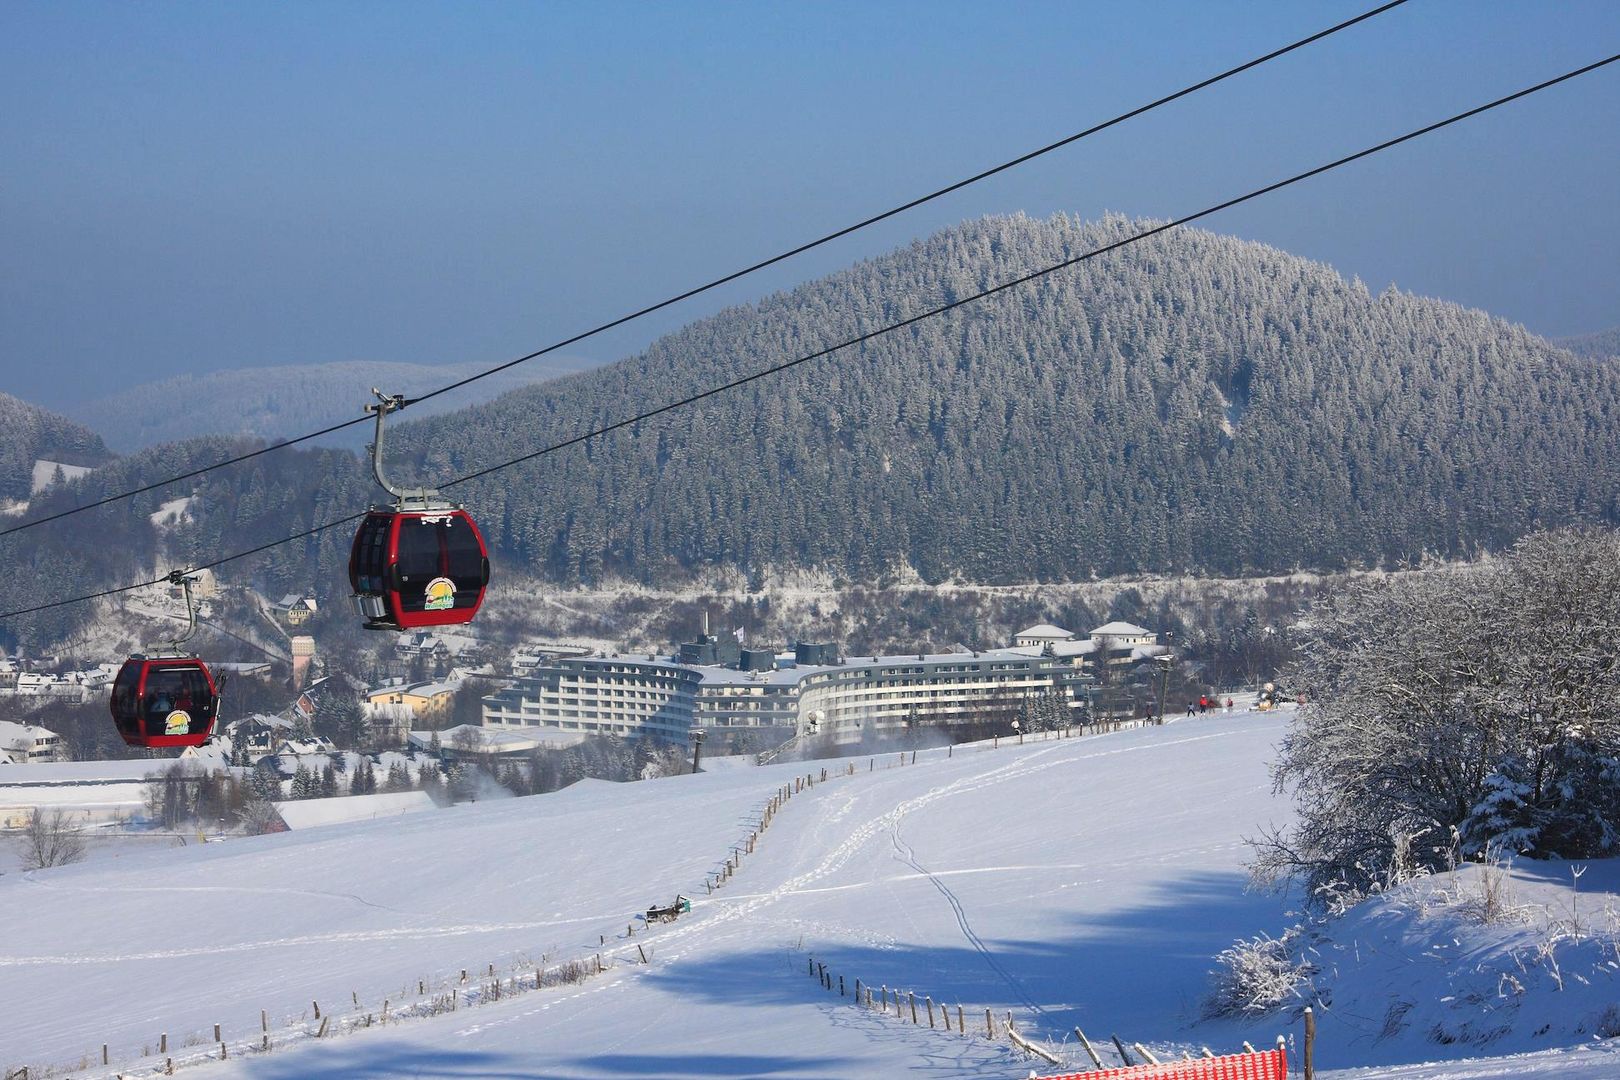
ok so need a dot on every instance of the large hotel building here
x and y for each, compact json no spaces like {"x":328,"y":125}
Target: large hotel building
{"x":714,"y":685}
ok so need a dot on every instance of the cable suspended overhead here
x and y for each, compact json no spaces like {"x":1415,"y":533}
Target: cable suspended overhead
{"x":736,"y":274}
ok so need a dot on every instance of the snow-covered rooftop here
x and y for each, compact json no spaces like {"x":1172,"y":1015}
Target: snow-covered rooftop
{"x":1044,"y":630}
{"x":15,"y":734}
{"x":1120,"y":629}
{"x":1060,"y":649}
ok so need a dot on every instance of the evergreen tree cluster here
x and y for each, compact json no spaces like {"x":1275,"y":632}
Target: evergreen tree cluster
{"x":29,"y":433}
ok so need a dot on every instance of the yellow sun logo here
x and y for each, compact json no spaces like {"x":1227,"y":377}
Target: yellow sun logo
{"x":441,"y":594}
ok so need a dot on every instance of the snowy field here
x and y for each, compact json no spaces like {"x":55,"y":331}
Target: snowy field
{"x":1067,"y":882}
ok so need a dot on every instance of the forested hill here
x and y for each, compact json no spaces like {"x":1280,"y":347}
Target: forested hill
{"x":29,"y":433}
{"x":1192,"y":402}
{"x":1189,"y":403}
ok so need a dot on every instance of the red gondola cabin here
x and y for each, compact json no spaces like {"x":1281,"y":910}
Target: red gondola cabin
{"x":164,"y":701}
{"x":413,"y":568}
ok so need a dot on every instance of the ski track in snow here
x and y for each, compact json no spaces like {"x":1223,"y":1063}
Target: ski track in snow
{"x":904,"y":852}
{"x":871,"y":829}
{"x":830,"y":864}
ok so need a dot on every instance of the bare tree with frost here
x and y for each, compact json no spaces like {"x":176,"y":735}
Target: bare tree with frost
{"x":1454,"y":714}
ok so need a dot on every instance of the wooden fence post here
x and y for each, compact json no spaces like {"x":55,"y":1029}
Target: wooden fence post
{"x":1124,"y":1058}
{"x":104,"y":1060}
{"x":886,"y":998}
{"x":1090,"y":1050}
{"x":1140,"y":1049}
{"x":163,"y":1043}
{"x":1310,"y":1044}
{"x":989,"y":1025}
{"x":913,"y":999}
{"x":840,"y":986}
{"x":960,"y":1026}
{"x":930,"y":1003}
{"x":216,"y":1033}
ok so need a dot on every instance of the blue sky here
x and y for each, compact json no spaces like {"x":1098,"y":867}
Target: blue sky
{"x":189,"y":187}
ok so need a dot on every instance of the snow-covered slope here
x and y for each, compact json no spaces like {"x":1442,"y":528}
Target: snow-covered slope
{"x":1082,"y":881}
{"x":1487,"y":959}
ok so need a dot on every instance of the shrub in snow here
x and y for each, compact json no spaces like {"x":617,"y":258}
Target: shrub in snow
{"x":1258,"y":976}
{"x":1481,"y":704}
{"x":49,"y":838}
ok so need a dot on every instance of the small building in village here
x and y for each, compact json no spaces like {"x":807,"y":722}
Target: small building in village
{"x":28,"y":743}
{"x":425,"y":700}
{"x":296,"y":609}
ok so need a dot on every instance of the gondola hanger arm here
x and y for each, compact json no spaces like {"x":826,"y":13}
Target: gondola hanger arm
{"x":418,"y":498}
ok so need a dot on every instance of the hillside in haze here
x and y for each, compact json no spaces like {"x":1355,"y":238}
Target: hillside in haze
{"x":1602,"y":343}
{"x":29,"y":433}
{"x":1192,"y":404}
{"x":280,"y":402}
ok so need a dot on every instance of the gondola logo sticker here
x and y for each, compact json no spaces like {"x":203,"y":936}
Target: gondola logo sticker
{"x":177,"y":723}
{"x":440,"y":595}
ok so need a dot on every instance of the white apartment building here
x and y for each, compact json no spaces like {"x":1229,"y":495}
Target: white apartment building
{"x":840,"y":697}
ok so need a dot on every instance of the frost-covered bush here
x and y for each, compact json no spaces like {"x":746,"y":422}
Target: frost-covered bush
{"x":1453,"y":714}
{"x":1257,"y":976}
